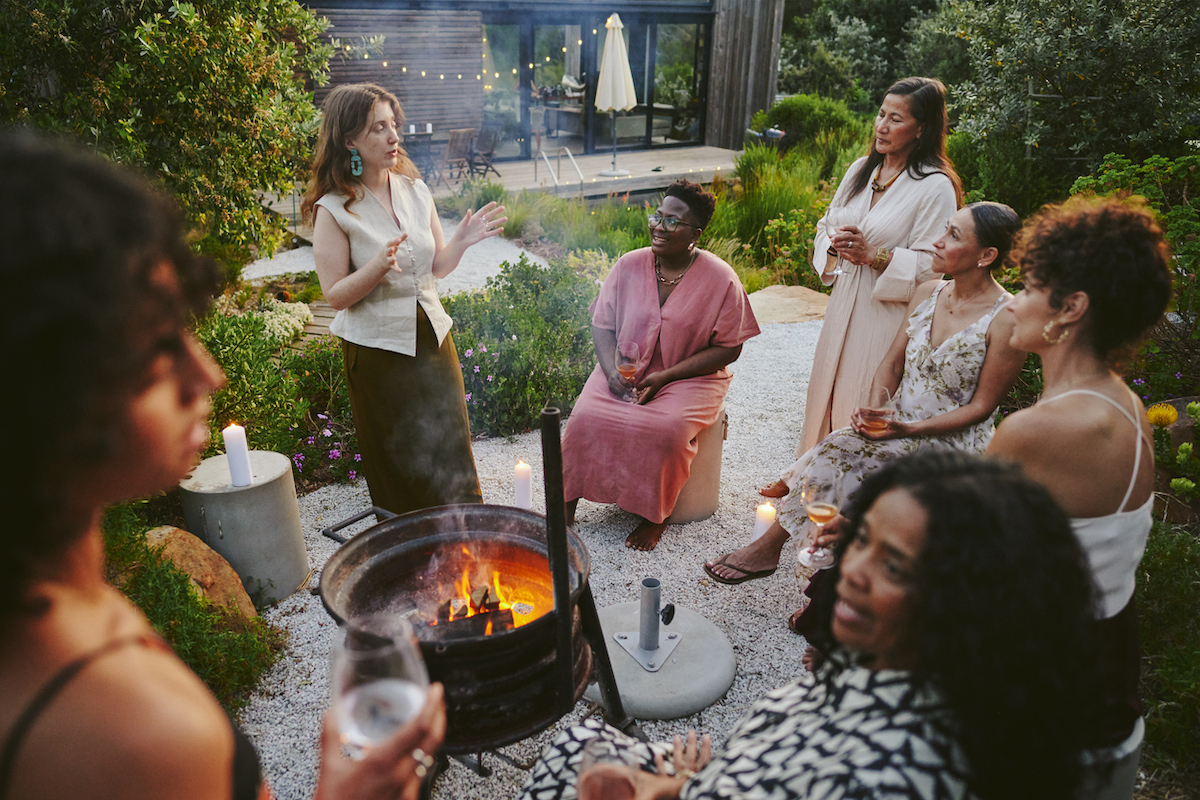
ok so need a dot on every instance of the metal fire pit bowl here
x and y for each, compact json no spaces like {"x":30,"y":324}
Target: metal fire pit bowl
{"x":500,"y":687}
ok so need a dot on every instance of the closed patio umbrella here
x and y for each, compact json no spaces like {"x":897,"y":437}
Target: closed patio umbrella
{"x":614,"y":91}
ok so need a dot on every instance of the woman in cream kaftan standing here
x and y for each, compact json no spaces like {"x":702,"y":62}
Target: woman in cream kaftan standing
{"x":688,"y":314}
{"x":879,"y":231}
{"x":378,"y":245}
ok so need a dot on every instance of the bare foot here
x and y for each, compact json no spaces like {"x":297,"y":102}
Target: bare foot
{"x":759,"y":556}
{"x":646,"y":535}
{"x":777,"y":489}
{"x":571,"y":506}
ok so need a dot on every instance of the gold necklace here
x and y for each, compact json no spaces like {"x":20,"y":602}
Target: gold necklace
{"x":876,"y":186}
{"x":658,"y":269}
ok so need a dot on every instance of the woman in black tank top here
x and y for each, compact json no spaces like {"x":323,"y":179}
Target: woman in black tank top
{"x":107,"y":401}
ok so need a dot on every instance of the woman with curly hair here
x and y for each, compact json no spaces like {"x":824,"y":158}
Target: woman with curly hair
{"x":965,"y":666}
{"x":111,"y":404}
{"x":379,"y":247}
{"x":1097,"y":277}
{"x":688,"y":314}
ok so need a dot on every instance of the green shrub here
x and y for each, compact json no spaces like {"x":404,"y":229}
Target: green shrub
{"x":227,"y":651}
{"x":323,"y":445}
{"x":1168,"y":594}
{"x":524,"y":342}
{"x":802,"y":116}
{"x":258,"y":394}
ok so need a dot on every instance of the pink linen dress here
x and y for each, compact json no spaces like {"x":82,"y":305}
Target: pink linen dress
{"x":639,"y":456}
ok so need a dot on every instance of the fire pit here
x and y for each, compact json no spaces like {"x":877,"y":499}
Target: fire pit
{"x":476,"y":583}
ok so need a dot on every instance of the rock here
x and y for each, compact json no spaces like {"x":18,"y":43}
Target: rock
{"x":788,"y":304}
{"x":211,"y":574}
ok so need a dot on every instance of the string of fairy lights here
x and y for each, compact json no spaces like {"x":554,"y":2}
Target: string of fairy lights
{"x":485,"y":57}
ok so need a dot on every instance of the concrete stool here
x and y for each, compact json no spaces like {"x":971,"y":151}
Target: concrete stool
{"x":701,"y":492}
{"x":256,"y":527}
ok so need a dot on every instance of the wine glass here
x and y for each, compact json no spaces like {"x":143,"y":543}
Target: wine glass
{"x":822,"y":499}
{"x":836,"y":217}
{"x":627,"y":364}
{"x":378,"y":680}
{"x":880,"y":410}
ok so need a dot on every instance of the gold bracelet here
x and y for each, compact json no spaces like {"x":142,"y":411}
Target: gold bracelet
{"x":685,"y":773}
{"x":881,"y":258}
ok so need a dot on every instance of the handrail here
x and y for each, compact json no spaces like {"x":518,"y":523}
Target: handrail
{"x":550,"y":169}
{"x":567,"y":150}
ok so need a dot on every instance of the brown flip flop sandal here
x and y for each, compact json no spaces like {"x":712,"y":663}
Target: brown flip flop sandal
{"x":746,"y":574}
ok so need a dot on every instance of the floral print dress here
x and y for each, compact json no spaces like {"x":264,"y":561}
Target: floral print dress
{"x":936,"y":380}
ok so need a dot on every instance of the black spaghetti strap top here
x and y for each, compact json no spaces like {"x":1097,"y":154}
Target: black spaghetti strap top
{"x":247,"y":778}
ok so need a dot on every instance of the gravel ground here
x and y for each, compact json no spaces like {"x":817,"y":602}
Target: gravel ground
{"x":478,"y":264}
{"x":765,"y":409}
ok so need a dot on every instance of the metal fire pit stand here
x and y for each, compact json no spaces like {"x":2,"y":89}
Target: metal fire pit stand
{"x":556,"y":541}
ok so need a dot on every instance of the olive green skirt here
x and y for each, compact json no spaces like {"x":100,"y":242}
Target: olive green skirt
{"x":410,"y":413}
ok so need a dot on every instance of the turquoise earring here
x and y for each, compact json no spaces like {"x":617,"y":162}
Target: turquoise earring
{"x":355,"y":162}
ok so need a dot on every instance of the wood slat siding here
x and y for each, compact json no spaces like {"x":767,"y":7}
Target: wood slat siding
{"x":745,"y":65}
{"x":446,"y":43}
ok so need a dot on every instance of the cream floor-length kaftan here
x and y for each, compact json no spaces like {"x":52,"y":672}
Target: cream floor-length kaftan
{"x":867,"y":306}
{"x":639,"y":456}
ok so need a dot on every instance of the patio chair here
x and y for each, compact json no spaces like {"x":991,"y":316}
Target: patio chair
{"x":456,"y":163}
{"x":483,"y":149}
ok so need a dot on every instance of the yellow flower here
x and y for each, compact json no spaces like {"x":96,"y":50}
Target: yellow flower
{"x":1161,"y":414}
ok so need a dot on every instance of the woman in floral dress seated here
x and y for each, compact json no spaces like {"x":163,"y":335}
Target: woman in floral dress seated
{"x":942,"y":543}
{"x":947,"y":369}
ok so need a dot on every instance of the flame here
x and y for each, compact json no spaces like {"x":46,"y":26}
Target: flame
{"x":460,"y":601}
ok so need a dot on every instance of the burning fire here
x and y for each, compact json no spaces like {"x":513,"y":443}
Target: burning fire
{"x":469,"y":600}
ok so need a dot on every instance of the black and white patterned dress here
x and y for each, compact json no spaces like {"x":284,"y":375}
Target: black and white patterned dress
{"x":848,"y":732}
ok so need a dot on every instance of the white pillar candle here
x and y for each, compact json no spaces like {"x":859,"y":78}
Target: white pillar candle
{"x":412,"y":128}
{"x":523,"y":491}
{"x":237,"y":453}
{"x":429,"y":127}
{"x":763,"y":520}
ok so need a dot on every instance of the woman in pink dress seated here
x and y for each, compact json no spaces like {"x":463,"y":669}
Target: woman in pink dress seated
{"x":686,"y":311}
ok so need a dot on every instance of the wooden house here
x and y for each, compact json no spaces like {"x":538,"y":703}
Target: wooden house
{"x":527,"y":69}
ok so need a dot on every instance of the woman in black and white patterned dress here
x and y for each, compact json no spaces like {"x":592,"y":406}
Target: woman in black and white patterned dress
{"x":964,"y":669}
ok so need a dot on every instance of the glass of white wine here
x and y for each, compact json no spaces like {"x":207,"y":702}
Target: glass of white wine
{"x":822,"y":498}
{"x":880,"y":411}
{"x":627,"y":364}
{"x":378,"y":680}
{"x":836,"y":217}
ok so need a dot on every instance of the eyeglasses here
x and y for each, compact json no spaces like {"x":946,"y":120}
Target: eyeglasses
{"x":669,"y":224}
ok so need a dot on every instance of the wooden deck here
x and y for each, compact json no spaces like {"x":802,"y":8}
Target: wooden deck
{"x":650,"y":171}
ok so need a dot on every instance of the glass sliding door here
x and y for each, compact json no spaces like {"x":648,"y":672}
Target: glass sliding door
{"x":557,"y":114}
{"x":679,"y":72}
{"x":502,"y":95}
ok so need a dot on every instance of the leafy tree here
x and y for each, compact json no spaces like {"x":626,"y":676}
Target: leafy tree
{"x":1108,"y":76}
{"x":208,"y":96}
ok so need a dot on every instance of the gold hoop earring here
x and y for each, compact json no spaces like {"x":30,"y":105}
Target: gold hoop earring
{"x":1062,"y":337}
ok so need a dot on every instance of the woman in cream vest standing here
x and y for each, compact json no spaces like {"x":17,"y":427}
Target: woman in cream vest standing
{"x":379,"y":246}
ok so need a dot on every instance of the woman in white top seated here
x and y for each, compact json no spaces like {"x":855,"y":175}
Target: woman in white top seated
{"x":1096,"y":279}
{"x":379,"y":246}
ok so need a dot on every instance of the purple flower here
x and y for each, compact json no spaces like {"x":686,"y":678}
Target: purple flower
{"x":327,"y":433}
{"x":1179,"y":375}
{"x":489,"y":378}
{"x":335,"y":454}
{"x":1145,"y":397}
{"x":468,"y":396}
{"x":311,"y":440}
{"x":358,"y":456}
{"x":477,"y":368}
{"x":353,"y":475}
{"x":298,"y":460}
{"x":483,"y":348}
{"x":322,"y":416}
{"x":462,"y":365}
{"x":1138,"y":382}
{"x":469,"y":352}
